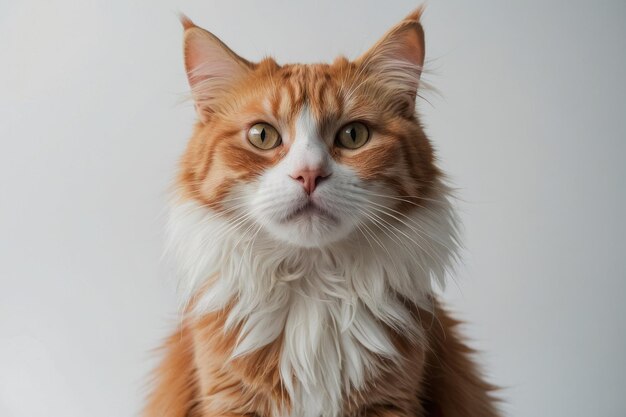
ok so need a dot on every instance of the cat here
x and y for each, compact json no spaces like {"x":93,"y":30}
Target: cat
{"x":311,"y":224}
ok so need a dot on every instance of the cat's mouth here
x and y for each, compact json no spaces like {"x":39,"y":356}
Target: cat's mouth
{"x":307,"y":211}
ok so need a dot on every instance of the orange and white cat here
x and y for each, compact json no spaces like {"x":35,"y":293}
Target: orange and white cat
{"x":310,"y":224}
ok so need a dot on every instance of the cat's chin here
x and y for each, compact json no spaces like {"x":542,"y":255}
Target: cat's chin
{"x":309,"y":229}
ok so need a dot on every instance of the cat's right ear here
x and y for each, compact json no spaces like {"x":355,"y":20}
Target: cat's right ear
{"x":212,"y":67}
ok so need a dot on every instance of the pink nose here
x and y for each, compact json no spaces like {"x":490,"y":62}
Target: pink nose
{"x":309,"y":178}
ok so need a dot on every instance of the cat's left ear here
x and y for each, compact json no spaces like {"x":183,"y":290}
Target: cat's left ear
{"x":398,"y":58}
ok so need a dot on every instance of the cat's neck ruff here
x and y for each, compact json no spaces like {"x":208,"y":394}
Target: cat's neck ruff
{"x":333,"y":306}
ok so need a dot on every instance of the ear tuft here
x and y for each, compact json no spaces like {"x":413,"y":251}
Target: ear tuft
{"x":416,"y":14}
{"x":185,"y":21}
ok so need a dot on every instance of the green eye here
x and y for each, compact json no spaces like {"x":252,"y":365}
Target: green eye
{"x":353,"y":135}
{"x":263,"y":136}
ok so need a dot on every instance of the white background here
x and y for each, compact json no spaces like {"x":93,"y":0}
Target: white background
{"x":530,"y":123}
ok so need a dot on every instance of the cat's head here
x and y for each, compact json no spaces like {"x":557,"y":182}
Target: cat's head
{"x":311,"y":154}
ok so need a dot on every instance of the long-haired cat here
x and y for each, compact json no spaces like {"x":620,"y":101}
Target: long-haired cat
{"x":310,"y":224}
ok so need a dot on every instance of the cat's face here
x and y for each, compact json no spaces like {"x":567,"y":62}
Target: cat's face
{"x":311,"y":154}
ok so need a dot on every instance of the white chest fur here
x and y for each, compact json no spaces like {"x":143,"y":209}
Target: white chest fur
{"x":331,"y":305}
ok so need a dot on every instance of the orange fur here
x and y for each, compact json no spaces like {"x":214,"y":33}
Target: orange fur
{"x":437,"y":378}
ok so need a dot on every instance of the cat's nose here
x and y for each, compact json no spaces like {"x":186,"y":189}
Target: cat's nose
{"x":309,"y":178}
